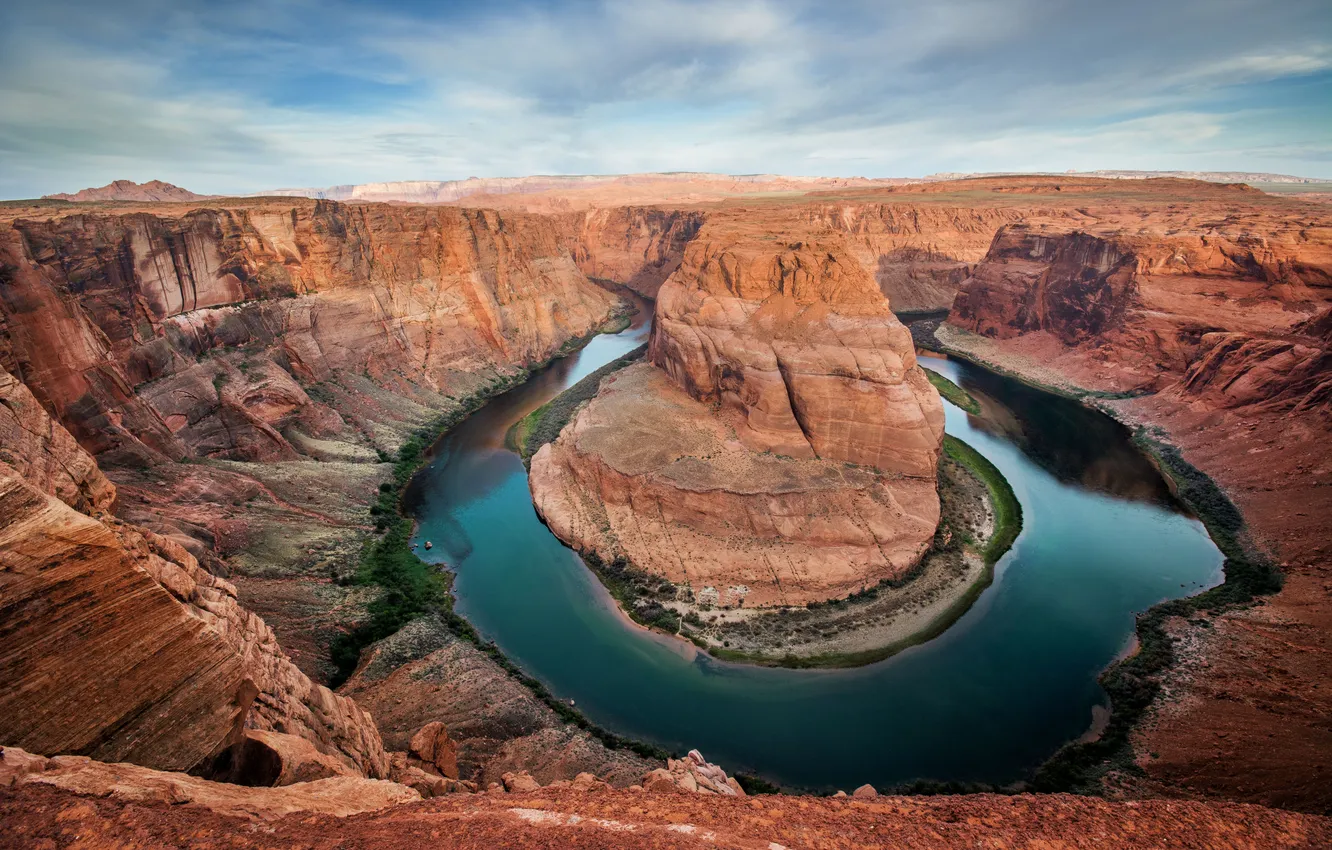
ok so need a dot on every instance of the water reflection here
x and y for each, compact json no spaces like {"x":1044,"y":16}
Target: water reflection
{"x":1074,"y":443}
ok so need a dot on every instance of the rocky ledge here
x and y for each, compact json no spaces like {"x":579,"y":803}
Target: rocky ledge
{"x":106,"y":806}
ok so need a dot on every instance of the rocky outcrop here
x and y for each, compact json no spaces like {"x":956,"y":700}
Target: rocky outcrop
{"x":799,"y":349}
{"x":782,"y":446}
{"x":132,"y":784}
{"x":433,"y":746}
{"x":1236,"y":370}
{"x":649,"y":475}
{"x":114,"y":643}
{"x":695,"y":774}
{"x":45,"y":455}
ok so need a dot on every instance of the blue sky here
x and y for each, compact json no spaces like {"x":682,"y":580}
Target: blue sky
{"x":255,"y":94}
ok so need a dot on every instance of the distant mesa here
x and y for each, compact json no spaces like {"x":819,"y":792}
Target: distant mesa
{"x":128,"y":190}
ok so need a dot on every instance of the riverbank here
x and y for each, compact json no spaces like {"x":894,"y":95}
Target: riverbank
{"x":952,"y":392}
{"x":1135,"y":683}
{"x":544,"y":424}
{"x":410,"y":589}
{"x":981,"y":518}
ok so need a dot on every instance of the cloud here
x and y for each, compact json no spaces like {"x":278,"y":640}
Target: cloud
{"x":261,"y":93}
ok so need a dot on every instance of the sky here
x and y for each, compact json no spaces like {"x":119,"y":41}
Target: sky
{"x":259,"y":94}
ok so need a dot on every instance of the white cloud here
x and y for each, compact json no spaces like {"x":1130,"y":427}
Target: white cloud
{"x":262,"y":94}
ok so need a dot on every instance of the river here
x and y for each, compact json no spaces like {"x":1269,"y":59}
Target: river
{"x":987,"y":701}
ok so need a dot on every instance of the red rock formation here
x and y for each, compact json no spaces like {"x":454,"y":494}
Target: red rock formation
{"x":403,"y":296}
{"x":796,"y":340}
{"x":115,"y":644}
{"x":648,"y":474}
{"x":787,"y":364}
{"x":637,"y":248}
{"x":116,"y":806}
{"x":1151,"y":300}
{"x":918,"y":253}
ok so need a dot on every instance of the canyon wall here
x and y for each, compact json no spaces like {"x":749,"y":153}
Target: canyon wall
{"x":919,"y":254}
{"x":115,"y":644}
{"x":121,"y":324}
{"x":637,"y":247}
{"x":1215,"y":317}
{"x":1149,"y":304}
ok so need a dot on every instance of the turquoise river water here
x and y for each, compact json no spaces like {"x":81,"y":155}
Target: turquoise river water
{"x":987,"y":701}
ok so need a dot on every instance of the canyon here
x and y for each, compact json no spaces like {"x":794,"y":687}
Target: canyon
{"x":203,"y":399}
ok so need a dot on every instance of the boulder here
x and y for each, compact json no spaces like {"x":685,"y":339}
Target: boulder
{"x":520,"y":782}
{"x":431,"y":744}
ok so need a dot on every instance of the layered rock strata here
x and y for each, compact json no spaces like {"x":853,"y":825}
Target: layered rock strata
{"x":1218,"y":320}
{"x":799,"y":349}
{"x":781,"y":447}
{"x":632,"y":246}
{"x":651,"y":475}
{"x":114,"y":643}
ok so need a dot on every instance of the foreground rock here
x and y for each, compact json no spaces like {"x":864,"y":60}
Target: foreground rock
{"x":695,"y":774}
{"x":128,"y":783}
{"x":116,"y":644}
{"x":36,"y":812}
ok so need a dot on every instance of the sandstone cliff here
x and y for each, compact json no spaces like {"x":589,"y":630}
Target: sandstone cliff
{"x":1154,"y":300}
{"x":115,"y":644}
{"x":781,"y":447}
{"x":795,"y":340}
{"x":634,"y":247}
{"x":1215,"y":313}
{"x":918,"y":253}
{"x":146,"y":309}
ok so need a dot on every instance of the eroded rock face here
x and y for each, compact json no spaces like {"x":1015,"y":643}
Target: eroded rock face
{"x":635,"y":247}
{"x":120,"y":324}
{"x":1151,"y":303}
{"x":799,"y":348}
{"x":116,"y":644}
{"x":426,"y":673}
{"x":129,"y":783}
{"x":648,"y":474}
{"x":919,"y":254}
{"x":781,"y":447}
